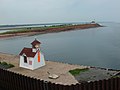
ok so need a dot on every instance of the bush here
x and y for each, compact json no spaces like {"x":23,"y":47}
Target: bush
{"x":10,"y":65}
{"x":4,"y":63}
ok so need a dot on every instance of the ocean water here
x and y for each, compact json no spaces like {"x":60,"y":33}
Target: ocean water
{"x":93,"y":47}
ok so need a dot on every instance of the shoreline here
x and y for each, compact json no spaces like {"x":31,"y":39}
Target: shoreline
{"x":47,"y":30}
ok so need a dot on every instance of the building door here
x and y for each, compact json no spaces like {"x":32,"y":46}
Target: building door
{"x":25,"y":59}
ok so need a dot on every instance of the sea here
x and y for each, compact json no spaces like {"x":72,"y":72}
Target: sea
{"x":98,"y":47}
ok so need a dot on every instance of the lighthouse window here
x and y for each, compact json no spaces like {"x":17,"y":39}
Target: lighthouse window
{"x":30,"y":62}
{"x":25,"y":59}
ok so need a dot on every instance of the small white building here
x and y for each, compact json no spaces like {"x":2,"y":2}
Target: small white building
{"x":32,"y":58}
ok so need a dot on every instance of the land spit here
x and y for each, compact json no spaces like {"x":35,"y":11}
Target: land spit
{"x":34,"y":31}
{"x":60,"y":69}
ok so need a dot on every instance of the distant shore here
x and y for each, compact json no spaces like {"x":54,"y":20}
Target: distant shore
{"x":44,"y":30}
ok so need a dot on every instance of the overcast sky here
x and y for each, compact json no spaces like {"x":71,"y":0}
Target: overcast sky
{"x":50,"y":11}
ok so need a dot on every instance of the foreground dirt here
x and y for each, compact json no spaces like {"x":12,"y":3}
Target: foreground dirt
{"x":57,"y":68}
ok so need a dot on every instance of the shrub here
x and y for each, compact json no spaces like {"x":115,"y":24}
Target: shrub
{"x":4,"y":63}
{"x":10,"y":65}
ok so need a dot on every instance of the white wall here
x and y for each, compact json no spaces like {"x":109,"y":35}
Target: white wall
{"x":35,"y":63}
{"x":26,"y":65}
{"x":39,"y":64}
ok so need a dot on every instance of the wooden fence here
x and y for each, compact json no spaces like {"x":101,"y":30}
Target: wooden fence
{"x":13,"y":81}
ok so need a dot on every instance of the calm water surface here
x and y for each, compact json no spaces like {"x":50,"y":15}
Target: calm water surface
{"x":94,"y":47}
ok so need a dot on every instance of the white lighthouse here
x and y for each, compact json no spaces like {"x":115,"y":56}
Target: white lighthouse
{"x":32,"y":58}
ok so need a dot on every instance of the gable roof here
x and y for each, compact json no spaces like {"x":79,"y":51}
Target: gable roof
{"x":28,"y":52}
{"x":35,"y":42}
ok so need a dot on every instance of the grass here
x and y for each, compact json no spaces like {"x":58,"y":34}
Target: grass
{"x":10,"y":65}
{"x":15,"y":31}
{"x":3,"y":63}
{"x":39,"y":29}
{"x":30,"y":29}
{"x":117,"y":76}
{"x":6,"y":65}
{"x":33,"y":29}
{"x":78,"y":71}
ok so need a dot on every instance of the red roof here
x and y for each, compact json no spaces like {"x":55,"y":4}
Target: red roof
{"x":28,"y":52}
{"x":35,"y":42}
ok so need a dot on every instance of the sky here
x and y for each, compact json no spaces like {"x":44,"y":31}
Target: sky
{"x":58,"y":11}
